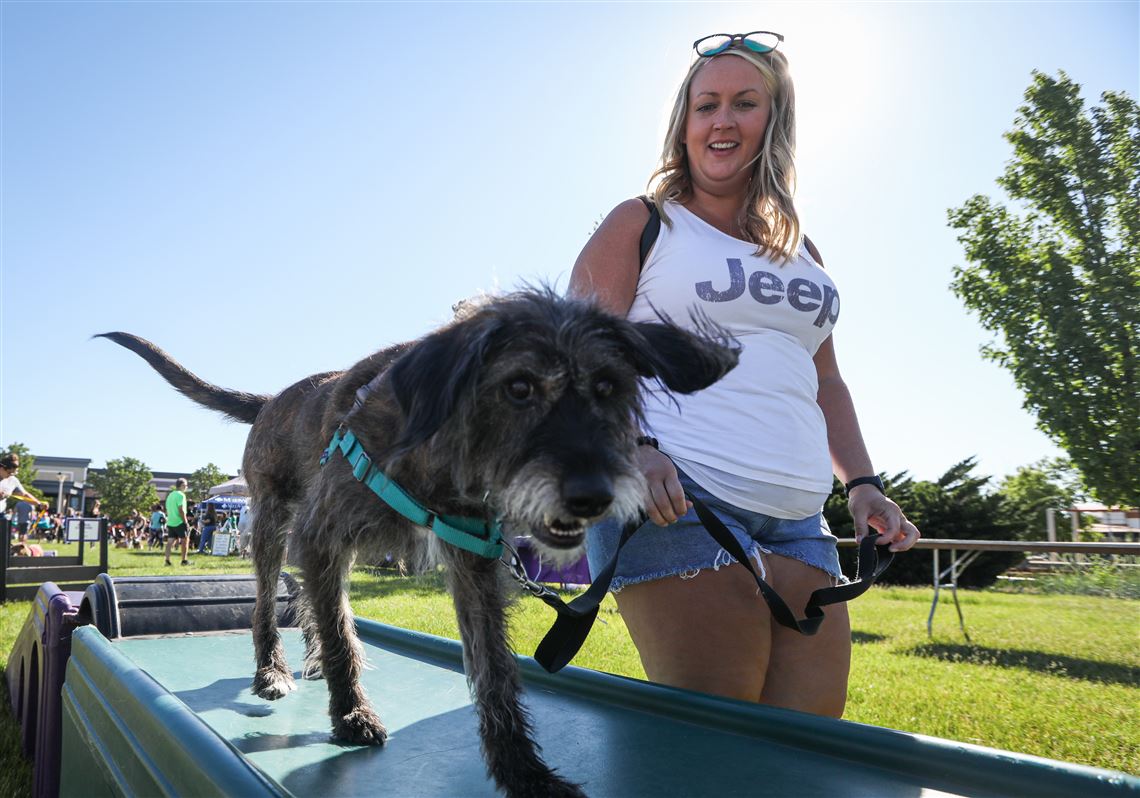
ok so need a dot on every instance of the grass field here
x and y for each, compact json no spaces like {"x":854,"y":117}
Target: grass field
{"x":1055,"y":675}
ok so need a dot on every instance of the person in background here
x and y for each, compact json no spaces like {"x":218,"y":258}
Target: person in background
{"x":26,"y":550}
{"x":23,"y":517}
{"x":157,"y":525}
{"x":44,"y":524}
{"x":244,"y":525}
{"x":229,"y":525}
{"x":192,"y":516}
{"x":10,"y":485}
{"x":209,"y":524}
{"x":759,"y":447}
{"x":136,"y":529}
{"x":178,"y":520}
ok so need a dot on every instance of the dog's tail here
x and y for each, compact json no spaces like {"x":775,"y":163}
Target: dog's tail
{"x":239,"y":406}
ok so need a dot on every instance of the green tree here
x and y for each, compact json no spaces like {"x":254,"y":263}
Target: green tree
{"x":1033,"y":489}
{"x":27,"y":470}
{"x":1059,"y":282}
{"x":124,"y":485}
{"x":202,"y":480}
{"x":956,"y":505}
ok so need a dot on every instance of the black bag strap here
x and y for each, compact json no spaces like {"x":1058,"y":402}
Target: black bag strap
{"x":575,"y":619}
{"x":649,"y":232}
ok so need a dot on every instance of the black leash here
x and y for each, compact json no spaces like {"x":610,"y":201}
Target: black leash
{"x":575,"y":619}
{"x":869,"y":563}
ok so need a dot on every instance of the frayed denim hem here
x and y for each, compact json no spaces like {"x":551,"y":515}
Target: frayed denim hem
{"x":722,"y":558}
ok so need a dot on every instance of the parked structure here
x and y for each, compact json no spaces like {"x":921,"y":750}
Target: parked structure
{"x":64,"y":481}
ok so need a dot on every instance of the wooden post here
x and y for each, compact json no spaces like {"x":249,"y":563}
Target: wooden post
{"x":1051,"y":530}
{"x":103,"y":535}
{"x":1076,"y":515}
{"x":7,"y":535}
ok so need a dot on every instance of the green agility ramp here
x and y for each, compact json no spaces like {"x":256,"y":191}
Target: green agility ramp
{"x":173,"y":715}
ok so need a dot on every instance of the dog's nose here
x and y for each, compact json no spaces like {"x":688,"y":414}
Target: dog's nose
{"x":587,"y":495}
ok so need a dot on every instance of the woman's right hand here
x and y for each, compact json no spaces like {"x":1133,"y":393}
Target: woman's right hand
{"x":665,"y":500}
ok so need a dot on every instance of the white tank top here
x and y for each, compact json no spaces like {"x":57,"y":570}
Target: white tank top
{"x":757,"y":438}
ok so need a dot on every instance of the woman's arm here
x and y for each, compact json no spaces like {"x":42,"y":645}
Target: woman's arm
{"x":19,"y":493}
{"x":607,"y":268}
{"x":849,"y":455}
{"x":850,"y":460}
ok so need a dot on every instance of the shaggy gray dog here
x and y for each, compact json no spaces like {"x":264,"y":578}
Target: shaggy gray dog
{"x":525,"y":409}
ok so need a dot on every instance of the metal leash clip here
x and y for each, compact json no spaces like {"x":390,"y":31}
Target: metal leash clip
{"x":518,"y":572}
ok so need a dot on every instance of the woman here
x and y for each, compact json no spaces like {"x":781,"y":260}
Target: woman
{"x":755,"y":446}
{"x":10,"y":484}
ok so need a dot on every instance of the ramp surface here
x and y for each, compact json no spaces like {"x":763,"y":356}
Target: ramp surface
{"x":142,"y":713}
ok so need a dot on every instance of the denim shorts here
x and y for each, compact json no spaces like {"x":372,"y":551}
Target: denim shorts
{"x":685,"y":548}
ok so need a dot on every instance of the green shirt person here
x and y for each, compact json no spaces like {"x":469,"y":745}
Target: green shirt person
{"x":177,"y":520}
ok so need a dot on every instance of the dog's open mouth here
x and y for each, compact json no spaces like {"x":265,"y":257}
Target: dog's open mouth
{"x":561,"y":533}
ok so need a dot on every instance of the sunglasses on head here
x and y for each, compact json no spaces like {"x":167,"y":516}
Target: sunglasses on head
{"x":758,"y":41}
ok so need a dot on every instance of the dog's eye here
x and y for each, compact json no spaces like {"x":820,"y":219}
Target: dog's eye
{"x":603,"y":388}
{"x":520,"y":390}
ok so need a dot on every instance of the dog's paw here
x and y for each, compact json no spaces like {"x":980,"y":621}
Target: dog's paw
{"x":362,"y":726}
{"x":311,"y":670}
{"x":272,"y":685}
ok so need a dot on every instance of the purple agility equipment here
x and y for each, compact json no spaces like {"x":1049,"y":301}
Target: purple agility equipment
{"x":123,"y":607}
{"x":577,"y":573}
{"x":35,"y":677}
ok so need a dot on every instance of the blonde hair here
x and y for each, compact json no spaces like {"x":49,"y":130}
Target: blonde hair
{"x":769,"y":218}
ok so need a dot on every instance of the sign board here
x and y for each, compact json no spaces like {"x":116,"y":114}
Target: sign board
{"x":81,"y":529}
{"x":223,"y":542}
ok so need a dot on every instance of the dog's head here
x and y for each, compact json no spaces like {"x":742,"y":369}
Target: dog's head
{"x":536,"y":401}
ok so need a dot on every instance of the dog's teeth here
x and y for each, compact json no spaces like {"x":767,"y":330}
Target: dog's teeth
{"x":565,"y":533}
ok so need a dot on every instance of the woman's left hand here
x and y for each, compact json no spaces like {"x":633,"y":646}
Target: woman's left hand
{"x":869,"y":507}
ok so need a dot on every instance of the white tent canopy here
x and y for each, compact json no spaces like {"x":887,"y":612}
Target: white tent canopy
{"x":232,"y":487}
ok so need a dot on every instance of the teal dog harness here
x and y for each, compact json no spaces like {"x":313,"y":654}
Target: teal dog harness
{"x":475,"y":535}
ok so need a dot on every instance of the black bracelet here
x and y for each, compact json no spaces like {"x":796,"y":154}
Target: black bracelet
{"x":648,"y":440}
{"x":875,"y":480}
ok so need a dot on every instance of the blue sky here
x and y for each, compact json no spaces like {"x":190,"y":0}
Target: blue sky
{"x":269,"y":190}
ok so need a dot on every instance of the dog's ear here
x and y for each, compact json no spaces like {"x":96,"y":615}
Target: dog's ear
{"x":683,"y":361}
{"x":431,"y":377}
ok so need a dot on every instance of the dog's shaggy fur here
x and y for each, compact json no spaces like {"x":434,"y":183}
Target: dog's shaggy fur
{"x":526,"y":408}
